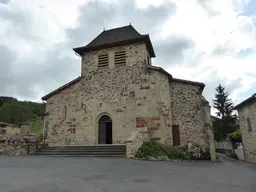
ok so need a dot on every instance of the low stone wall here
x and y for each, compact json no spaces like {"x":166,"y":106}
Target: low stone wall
{"x":135,"y":141}
{"x":13,"y":150}
{"x":250,"y":151}
{"x":17,"y":149}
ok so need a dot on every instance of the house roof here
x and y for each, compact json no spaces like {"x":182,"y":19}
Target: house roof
{"x":204,"y":100}
{"x":247,"y":101}
{"x":25,"y":122}
{"x":61,"y":88}
{"x":201,"y":85}
{"x":4,"y":123}
{"x":8,"y":124}
{"x":160,"y":69}
{"x":116,"y":37}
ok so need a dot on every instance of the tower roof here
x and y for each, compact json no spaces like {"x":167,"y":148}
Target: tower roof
{"x":116,"y":37}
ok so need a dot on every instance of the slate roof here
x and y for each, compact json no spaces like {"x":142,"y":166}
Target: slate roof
{"x":247,"y":101}
{"x":116,"y":37}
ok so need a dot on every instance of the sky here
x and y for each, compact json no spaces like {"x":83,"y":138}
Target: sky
{"x":211,"y":41}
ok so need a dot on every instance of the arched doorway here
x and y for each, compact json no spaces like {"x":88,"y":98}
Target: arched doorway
{"x":105,"y":130}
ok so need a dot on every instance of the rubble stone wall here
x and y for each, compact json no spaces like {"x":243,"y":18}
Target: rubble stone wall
{"x":248,"y":137}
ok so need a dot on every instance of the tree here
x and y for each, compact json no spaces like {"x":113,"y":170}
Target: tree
{"x":4,"y":99}
{"x":223,"y":104}
{"x":225,"y":107}
{"x":15,"y":112}
{"x":35,"y":126}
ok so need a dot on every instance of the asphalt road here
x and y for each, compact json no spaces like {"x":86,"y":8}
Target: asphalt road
{"x":66,"y":174}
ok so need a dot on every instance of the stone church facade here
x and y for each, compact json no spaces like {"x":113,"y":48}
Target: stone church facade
{"x":120,"y":92}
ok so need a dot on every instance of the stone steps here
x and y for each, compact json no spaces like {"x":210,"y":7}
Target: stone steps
{"x":85,"y":151}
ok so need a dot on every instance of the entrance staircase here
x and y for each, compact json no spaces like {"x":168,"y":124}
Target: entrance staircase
{"x":104,"y":150}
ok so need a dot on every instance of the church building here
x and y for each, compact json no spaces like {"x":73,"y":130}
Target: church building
{"x":120,"y":93}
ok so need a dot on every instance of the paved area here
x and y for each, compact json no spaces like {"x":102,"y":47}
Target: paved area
{"x":66,"y":174}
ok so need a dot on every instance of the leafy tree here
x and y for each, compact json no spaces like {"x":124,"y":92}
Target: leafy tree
{"x":15,"y":112}
{"x":226,"y":121}
{"x":35,"y":126}
{"x":4,"y":99}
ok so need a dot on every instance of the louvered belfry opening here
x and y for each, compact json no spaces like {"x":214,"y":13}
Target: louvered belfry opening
{"x":103,"y":60}
{"x":120,"y":57}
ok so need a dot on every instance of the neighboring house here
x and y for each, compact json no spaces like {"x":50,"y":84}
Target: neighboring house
{"x":24,"y":127}
{"x":247,"y":120}
{"x":9,"y":129}
{"x":120,"y":91}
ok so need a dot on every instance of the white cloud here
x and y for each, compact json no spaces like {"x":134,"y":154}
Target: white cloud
{"x":215,"y":28}
{"x":228,"y":31}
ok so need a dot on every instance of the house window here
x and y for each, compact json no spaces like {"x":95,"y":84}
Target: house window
{"x":249,"y":125}
{"x":120,"y":57}
{"x":103,"y":60}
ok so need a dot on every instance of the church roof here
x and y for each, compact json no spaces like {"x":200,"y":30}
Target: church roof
{"x":61,"y":88}
{"x":171,"y":79}
{"x":116,"y":37}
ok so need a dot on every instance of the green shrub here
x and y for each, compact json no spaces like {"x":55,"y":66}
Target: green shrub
{"x":39,"y":137}
{"x":231,"y":154}
{"x":203,"y":156}
{"x":155,"y":150}
{"x":176,"y":152}
{"x":151,"y":148}
{"x":235,"y":137}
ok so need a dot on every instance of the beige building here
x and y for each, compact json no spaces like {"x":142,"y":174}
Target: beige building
{"x":9,"y":129}
{"x":120,"y":92}
{"x":247,"y":120}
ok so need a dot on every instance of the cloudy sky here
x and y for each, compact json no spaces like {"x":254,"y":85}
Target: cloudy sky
{"x":213,"y":41}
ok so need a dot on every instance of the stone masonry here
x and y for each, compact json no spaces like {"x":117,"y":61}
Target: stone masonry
{"x":247,"y":121}
{"x":135,"y":95}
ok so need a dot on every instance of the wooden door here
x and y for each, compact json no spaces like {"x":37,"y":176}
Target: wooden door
{"x":102,"y":133}
{"x":176,"y":135}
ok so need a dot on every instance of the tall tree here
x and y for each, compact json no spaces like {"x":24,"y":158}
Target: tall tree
{"x":223,"y":104}
{"x":225,"y":123}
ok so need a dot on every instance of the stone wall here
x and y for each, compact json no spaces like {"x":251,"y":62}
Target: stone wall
{"x":13,"y":150}
{"x":187,"y":108}
{"x":133,"y":95}
{"x":248,"y":137}
{"x":208,"y":129}
{"x":135,"y":141}
{"x":122,"y":92}
{"x":12,"y":130}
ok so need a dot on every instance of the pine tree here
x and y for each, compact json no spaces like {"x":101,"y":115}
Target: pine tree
{"x":223,"y":104}
{"x":225,"y":108}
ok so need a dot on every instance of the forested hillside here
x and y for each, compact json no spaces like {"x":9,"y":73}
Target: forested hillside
{"x":15,"y":112}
